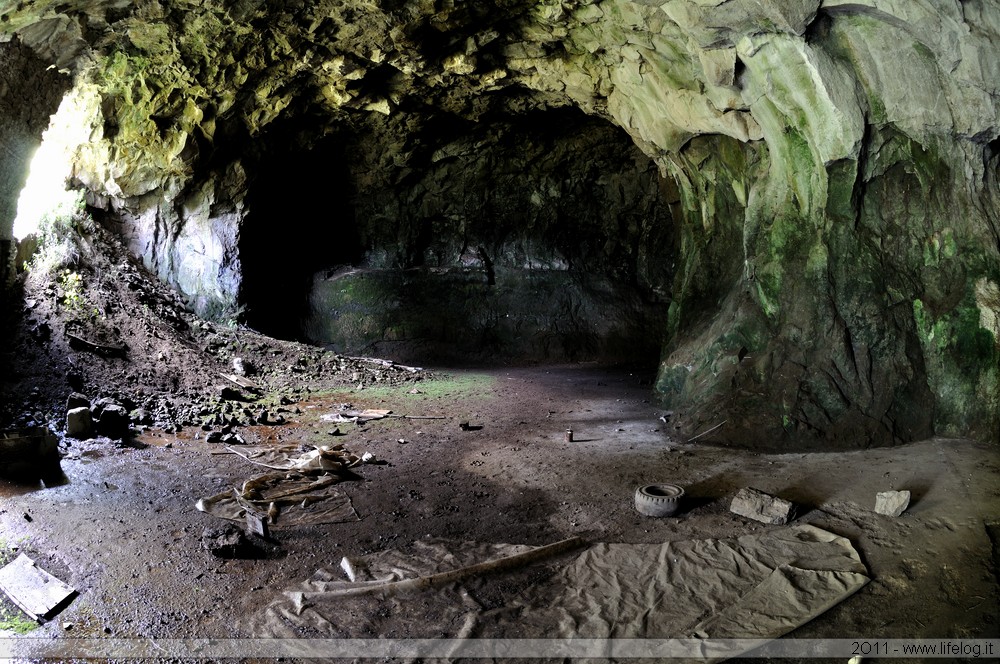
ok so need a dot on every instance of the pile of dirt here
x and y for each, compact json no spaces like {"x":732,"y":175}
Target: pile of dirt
{"x":102,"y":326}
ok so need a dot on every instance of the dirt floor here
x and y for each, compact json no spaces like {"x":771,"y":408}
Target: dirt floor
{"x":121,"y":525}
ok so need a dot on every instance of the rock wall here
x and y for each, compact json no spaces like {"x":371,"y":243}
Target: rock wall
{"x":834,"y":166}
{"x":863,"y":305}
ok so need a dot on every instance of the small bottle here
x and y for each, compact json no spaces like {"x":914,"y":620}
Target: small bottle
{"x":569,"y":435}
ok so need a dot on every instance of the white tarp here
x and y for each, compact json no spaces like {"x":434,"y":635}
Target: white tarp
{"x":756,"y":586}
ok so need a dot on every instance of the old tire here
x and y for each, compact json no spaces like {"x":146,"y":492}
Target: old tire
{"x":658,"y":499}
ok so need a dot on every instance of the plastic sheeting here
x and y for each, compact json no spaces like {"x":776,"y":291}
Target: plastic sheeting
{"x":303,"y":496}
{"x":758,"y":586}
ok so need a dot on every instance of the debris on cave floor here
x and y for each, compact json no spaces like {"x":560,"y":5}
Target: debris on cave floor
{"x":324,"y":458}
{"x":288,"y":499}
{"x":759,"y":506}
{"x":305,"y":495}
{"x":230,"y":542}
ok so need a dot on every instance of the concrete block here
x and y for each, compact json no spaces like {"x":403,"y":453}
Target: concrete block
{"x":757,"y":505}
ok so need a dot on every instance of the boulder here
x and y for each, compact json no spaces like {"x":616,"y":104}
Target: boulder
{"x":77,"y":400}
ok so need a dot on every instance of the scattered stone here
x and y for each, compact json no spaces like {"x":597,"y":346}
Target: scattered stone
{"x":214,"y":437}
{"x":113,"y":422}
{"x":757,"y":505}
{"x":79,"y":422}
{"x":242,"y":367}
{"x":892,"y":503}
{"x":141,"y":416}
{"x":35,"y":591}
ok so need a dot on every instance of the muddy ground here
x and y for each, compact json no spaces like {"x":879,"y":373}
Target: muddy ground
{"x":121,"y":525}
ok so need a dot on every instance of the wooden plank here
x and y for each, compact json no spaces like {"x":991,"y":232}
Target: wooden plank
{"x":242,"y":382}
{"x":37,"y":592}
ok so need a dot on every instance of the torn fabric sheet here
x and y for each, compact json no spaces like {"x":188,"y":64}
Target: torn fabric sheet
{"x":292,"y":457}
{"x":357,"y":416}
{"x":287,"y":499}
{"x":756,"y":586}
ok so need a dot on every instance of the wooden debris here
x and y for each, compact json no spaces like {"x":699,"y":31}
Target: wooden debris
{"x":35,"y":591}
{"x":388,"y":364}
{"x":79,"y":343}
{"x":245,"y":383}
{"x":387,"y":588}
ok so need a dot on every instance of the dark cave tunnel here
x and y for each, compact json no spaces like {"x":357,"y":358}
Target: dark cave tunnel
{"x":301,"y":220}
{"x":535,"y":237}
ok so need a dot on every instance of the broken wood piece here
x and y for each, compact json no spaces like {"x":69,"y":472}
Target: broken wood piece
{"x":444,"y":578}
{"x":79,"y":343}
{"x":242,"y":382}
{"x":389,"y":364}
{"x":257,"y":524}
{"x":35,"y":591}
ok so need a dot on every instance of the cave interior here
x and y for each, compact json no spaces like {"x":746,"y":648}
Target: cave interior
{"x":524,"y":255}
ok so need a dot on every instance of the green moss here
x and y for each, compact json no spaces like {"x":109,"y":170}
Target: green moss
{"x":671,"y":380}
{"x":768,"y":287}
{"x":818,"y":261}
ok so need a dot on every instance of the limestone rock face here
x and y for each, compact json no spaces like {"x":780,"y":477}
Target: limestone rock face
{"x":829,"y":175}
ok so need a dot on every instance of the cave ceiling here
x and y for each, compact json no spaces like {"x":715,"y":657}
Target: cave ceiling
{"x":833,"y":165}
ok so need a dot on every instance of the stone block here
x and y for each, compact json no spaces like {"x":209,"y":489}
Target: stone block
{"x":78,"y":422}
{"x":757,"y":505}
{"x":892,"y":503}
